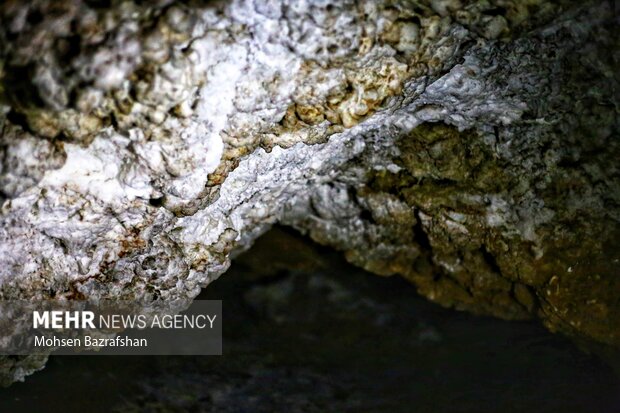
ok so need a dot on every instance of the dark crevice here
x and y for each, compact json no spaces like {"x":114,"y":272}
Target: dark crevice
{"x":419,"y":235}
{"x":19,"y":119}
{"x":19,"y":89}
{"x":497,"y":11}
{"x":490,"y":260}
{"x":157,"y":202}
{"x":366,"y":215}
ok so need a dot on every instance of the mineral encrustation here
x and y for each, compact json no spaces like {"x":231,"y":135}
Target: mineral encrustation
{"x":468,"y":146}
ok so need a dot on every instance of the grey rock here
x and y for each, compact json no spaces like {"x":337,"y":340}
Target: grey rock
{"x":469,"y":147}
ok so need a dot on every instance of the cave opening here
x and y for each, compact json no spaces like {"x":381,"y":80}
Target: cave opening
{"x":306,"y":330}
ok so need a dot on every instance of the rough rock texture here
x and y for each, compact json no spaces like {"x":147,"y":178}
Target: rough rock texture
{"x":307,"y":332}
{"x":470,"y":146}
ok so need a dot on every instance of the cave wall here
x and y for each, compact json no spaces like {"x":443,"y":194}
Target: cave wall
{"x":468,"y":146}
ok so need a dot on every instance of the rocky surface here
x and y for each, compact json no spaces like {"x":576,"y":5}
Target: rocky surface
{"x":468,"y":146}
{"x":307,"y":332}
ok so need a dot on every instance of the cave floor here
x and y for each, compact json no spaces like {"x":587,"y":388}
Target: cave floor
{"x":306,"y":332}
